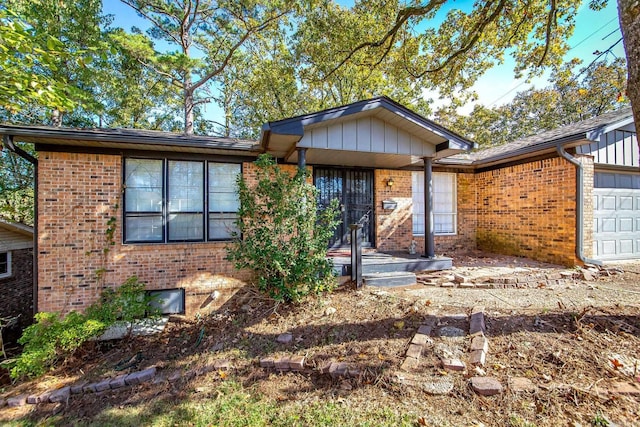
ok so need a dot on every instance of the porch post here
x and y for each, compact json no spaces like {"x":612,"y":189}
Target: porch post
{"x":429,"y":245}
{"x":356,"y":254}
{"x":302,"y":158}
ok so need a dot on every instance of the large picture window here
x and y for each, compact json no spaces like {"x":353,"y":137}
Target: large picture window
{"x":5,"y":264}
{"x":444,"y":203}
{"x":179,"y":200}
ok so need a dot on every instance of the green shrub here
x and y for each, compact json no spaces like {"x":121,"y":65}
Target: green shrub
{"x":53,"y":337}
{"x":283,"y":237}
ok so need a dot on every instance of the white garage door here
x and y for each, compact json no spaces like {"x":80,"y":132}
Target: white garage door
{"x":616,"y":218}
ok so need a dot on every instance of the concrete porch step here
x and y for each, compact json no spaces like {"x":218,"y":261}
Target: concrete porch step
{"x":389,"y":280}
{"x":388,"y":262}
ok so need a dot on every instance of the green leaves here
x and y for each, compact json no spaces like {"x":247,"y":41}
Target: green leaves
{"x":576,"y":94}
{"x":53,"y":337}
{"x":283,"y":237}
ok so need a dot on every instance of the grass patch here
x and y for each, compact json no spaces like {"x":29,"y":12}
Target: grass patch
{"x":230,"y":404}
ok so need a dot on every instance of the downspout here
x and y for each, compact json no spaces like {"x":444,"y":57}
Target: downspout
{"x":7,"y":141}
{"x":579,"y":205}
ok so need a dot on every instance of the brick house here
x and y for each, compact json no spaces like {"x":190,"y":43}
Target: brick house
{"x":163,"y":205}
{"x":16,"y":277}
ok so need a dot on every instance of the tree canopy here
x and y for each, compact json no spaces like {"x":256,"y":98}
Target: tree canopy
{"x":576,"y":93}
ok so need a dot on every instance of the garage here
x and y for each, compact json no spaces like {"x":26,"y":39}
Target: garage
{"x":616,"y":216}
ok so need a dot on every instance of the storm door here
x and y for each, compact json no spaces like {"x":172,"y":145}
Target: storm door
{"x":353,"y":188}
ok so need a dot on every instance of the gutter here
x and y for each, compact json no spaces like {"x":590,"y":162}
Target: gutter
{"x":579,"y":204}
{"x":7,"y":141}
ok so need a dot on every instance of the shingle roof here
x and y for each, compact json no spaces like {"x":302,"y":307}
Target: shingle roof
{"x":129,"y":136}
{"x":575,"y":131}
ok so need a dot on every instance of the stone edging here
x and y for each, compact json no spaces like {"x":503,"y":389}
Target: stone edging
{"x":509,"y":281}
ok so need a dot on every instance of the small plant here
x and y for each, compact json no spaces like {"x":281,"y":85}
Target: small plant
{"x":283,"y":236}
{"x":600,"y":421}
{"x":53,"y":337}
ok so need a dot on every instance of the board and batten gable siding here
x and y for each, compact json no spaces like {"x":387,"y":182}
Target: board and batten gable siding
{"x":368,"y":134}
{"x":12,"y":241}
{"x":616,"y":148}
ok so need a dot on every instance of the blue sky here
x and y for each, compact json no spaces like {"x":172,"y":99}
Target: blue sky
{"x":594,"y":31}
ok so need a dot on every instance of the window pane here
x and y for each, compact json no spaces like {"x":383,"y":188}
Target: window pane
{"x":417,"y":184}
{"x":222,"y":226}
{"x":186,"y":186}
{"x":185,"y":227}
{"x":223,"y":195}
{"x":143,"y":228}
{"x":143,"y":185}
{"x":4,"y":262}
{"x":444,"y":203}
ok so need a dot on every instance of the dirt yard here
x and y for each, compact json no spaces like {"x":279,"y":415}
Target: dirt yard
{"x":565,"y":353}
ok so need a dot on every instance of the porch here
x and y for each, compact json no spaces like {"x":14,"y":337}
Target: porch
{"x":374,"y":262}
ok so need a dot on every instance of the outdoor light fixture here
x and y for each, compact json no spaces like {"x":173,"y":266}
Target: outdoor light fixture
{"x":390,"y":182}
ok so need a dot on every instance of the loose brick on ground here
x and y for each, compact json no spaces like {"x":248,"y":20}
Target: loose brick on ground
{"x":486,"y":386}
{"x":267,"y":362}
{"x":338,"y":369}
{"x":79,"y":387}
{"x":296,"y":363}
{"x":20,"y":400}
{"x":409,"y":364}
{"x":477,"y":358}
{"x":420,"y":339}
{"x":453,"y":365}
{"x":60,"y":395}
{"x":140,"y":376}
{"x":414,"y":351}
{"x":37,"y":398}
{"x":476,"y":321}
{"x":89,"y":388}
{"x":479,"y":342}
{"x":282,"y":364}
{"x":103,"y":385}
{"x":118,"y":381}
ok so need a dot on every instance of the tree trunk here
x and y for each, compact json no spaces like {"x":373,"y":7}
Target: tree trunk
{"x":188,"y":111}
{"x":629,"y":13}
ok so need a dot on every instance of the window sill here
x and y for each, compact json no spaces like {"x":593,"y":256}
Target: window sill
{"x":437,"y":234}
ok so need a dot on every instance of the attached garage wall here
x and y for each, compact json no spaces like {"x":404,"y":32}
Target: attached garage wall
{"x":529,"y":210}
{"x":616,"y":201}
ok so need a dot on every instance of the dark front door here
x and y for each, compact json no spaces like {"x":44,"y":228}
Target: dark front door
{"x":353,"y":188}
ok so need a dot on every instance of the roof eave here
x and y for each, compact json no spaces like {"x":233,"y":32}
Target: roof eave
{"x":547,"y":146}
{"x":17,"y":228}
{"x":595,"y":134}
{"x":35,"y":135}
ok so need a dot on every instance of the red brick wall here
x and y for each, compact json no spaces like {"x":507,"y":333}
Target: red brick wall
{"x":395,"y":227}
{"x":78,"y":194}
{"x":529,"y":210}
{"x":17,"y":293}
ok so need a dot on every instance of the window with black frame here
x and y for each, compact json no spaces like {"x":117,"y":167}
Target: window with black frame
{"x":166,"y":200}
{"x":5,"y":264}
